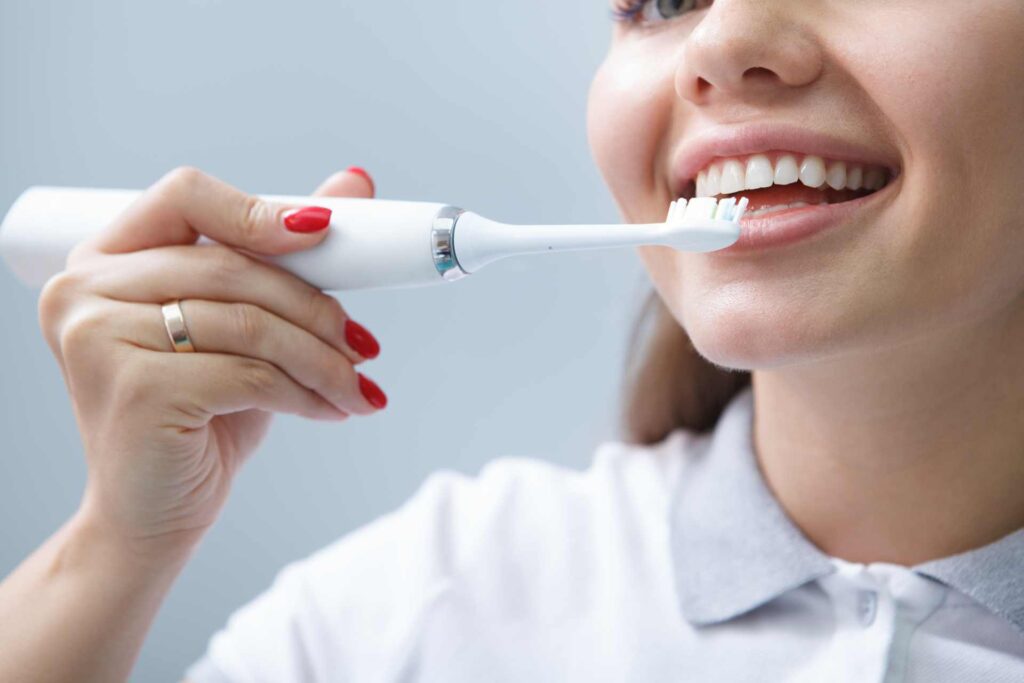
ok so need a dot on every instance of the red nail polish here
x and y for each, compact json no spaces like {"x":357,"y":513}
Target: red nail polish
{"x":360,"y":339}
{"x":308,"y":219}
{"x":362,"y":172}
{"x":372,"y":392}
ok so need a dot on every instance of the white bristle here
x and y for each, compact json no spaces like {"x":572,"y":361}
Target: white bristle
{"x":724,"y":211}
{"x":740,"y":209}
{"x":680,"y":209}
{"x":706,"y":208}
{"x":675,"y":211}
{"x":701,"y":209}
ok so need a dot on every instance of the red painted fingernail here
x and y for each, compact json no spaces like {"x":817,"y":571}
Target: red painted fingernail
{"x":308,"y":219}
{"x":362,"y":172}
{"x":372,"y":392}
{"x":360,"y":339}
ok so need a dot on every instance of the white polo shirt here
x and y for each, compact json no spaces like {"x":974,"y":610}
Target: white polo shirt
{"x":665,"y":563}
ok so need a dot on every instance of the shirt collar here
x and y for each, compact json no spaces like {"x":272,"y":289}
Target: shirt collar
{"x":735,"y":548}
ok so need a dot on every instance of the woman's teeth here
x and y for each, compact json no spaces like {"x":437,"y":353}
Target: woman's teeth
{"x":736,"y":175}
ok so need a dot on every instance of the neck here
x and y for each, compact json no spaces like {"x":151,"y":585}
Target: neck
{"x":903,"y":455}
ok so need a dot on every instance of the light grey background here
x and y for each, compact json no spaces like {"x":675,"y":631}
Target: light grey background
{"x":475,"y":103}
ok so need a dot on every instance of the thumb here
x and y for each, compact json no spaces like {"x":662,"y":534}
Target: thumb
{"x":353,"y":182}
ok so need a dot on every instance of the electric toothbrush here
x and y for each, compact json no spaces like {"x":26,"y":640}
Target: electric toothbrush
{"x":371,"y":243}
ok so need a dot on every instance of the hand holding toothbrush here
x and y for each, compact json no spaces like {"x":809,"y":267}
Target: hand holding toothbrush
{"x":165,"y":432}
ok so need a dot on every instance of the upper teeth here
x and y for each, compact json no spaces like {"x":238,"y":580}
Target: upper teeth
{"x":726,"y":176}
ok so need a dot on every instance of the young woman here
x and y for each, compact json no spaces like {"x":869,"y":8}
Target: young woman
{"x":824,"y":459}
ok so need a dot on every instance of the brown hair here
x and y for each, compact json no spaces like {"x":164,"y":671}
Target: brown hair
{"x":667,"y":384}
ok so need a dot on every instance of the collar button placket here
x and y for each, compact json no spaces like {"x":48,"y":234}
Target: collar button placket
{"x":867,"y":606}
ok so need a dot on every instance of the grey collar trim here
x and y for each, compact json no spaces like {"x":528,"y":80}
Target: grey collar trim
{"x":735,"y":548}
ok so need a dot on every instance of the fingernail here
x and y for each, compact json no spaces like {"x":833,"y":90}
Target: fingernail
{"x":362,"y":172}
{"x":308,"y":219}
{"x":360,"y":339}
{"x":372,"y":392}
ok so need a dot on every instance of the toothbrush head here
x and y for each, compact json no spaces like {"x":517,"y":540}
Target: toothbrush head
{"x":703,"y":209}
{"x":704,"y":224}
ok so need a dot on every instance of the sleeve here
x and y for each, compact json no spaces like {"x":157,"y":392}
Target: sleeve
{"x":353,"y":610}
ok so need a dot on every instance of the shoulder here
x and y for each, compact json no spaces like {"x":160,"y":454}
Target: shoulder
{"x":508,"y":512}
{"x":521,"y":539}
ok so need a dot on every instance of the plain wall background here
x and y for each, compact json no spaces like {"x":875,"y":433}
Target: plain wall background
{"x":477,"y":104}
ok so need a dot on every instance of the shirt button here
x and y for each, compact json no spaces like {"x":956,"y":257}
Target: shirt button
{"x":867,"y":606}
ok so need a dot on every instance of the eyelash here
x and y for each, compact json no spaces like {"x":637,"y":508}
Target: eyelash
{"x":630,"y":11}
{"x":627,"y":10}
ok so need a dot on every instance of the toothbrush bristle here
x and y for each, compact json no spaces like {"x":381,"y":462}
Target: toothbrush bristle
{"x":675,"y":211}
{"x":724,"y":210}
{"x":741,"y":208}
{"x":701,"y":209}
{"x":706,"y":208}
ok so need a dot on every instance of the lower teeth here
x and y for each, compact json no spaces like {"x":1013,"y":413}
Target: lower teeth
{"x":780,"y":207}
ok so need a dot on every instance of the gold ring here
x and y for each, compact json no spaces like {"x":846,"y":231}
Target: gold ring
{"x":174,"y":321}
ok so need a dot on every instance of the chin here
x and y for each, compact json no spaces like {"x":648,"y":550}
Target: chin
{"x":749,"y":337}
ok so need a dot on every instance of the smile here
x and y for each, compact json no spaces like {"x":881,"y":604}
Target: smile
{"x":779,"y":181}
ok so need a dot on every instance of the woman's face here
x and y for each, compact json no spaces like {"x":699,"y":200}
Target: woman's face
{"x":928,"y":94}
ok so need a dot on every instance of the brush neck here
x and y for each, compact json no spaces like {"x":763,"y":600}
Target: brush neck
{"x":479,"y":241}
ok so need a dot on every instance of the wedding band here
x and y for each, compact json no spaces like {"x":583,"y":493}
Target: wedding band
{"x":174,"y":321}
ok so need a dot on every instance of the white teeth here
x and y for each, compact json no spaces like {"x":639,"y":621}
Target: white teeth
{"x":836,"y":175}
{"x":730,"y":176}
{"x":759,"y":172}
{"x":855,"y":178}
{"x":786,"y":170}
{"x":713,"y":181}
{"x":812,"y":171}
{"x":733,"y":177}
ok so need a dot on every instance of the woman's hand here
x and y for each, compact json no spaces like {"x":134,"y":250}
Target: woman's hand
{"x":165,"y":432}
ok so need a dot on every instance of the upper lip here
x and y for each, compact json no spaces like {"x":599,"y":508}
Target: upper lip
{"x":696,"y":152}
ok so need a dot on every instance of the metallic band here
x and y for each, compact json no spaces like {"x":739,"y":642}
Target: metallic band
{"x":174,"y":321}
{"x":442,"y":244}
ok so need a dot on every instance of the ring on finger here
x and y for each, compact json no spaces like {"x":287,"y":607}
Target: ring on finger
{"x":174,"y":322}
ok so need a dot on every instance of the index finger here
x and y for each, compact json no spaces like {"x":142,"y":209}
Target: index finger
{"x":187,"y":203}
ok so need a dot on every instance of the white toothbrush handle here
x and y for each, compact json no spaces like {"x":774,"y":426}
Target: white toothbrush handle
{"x":372,"y":243}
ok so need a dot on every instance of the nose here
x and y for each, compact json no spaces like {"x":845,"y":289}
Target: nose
{"x":747,"y":48}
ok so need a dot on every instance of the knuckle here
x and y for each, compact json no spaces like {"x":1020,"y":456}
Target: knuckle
{"x":228,"y":266}
{"x":55,"y":299}
{"x":323,"y":312}
{"x":250,"y":324}
{"x":254,"y":214}
{"x":81,"y":333}
{"x":257,"y":376}
{"x":182,"y":178}
{"x":80,"y":253}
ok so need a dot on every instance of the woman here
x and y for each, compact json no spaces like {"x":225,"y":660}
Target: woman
{"x":868,"y":528}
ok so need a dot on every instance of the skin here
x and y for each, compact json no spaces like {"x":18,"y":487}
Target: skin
{"x":885,"y":355}
{"x":879,"y":379}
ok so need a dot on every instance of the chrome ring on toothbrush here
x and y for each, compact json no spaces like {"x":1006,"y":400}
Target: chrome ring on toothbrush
{"x":442,"y":243}
{"x":174,"y":322}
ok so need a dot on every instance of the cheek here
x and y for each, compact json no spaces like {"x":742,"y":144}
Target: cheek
{"x":627,"y":114}
{"x":951,"y":89}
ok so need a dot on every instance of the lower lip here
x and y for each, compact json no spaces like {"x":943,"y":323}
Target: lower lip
{"x":792,"y":225}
